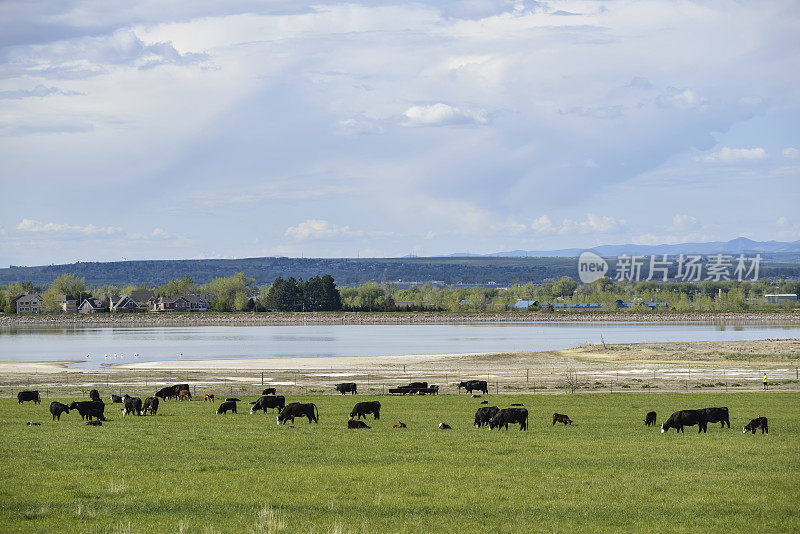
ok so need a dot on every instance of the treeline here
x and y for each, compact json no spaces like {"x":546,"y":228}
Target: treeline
{"x":241,"y":293}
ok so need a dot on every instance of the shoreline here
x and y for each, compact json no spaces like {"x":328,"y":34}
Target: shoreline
{"x":139,"y":320}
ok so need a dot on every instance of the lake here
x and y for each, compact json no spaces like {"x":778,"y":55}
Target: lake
{"x":125,"y":345}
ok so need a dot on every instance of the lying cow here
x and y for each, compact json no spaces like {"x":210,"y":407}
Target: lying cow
{"x":346,"y":387}
{"x":510,"y":415}
{"x":476,"y":385}
{"x":269,"y":391}
{"x":33,"y":395}
{"x":717,"y":415}
{"x":94,"y":395}
{"x":445,"y":426}
{"x":89,"y":409}
{"x":208,"y":397}
{"x":484,"y":415}
{"x":296,"y":409}
{"x":150,"y":405}
{"x":650,"y":419}
{"x":131,"y":405}
{"x":354,"y":423}
{"x":226,"y":406}
{"x":753,"y":425}
{"x":115,"y":398}
{"x":399,"y":424}
{"x":561,"y":418}
{"x":683,"y":418}
{"x":56,"y":408}
{"x":184,"y":395}
{"x":361,"y":409}
{"x":268,"y":401}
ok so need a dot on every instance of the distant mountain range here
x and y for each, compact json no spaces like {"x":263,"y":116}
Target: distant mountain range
{"x":740,"y":245}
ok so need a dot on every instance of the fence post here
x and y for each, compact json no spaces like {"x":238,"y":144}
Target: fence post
{"x":527,"y":376}
{"x":496,"y":389}
{"x":262,"y":378}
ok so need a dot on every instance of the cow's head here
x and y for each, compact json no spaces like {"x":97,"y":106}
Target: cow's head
{"x":663,"y":429}
{"x":744,"y":430}
{"x":73,"y":406}
{"x":279,"y":420}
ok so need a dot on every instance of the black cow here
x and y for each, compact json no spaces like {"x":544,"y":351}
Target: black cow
{"x":416,"y":385}
{"x":23,"y":396}
{"x":346,"y":387}
{"x":510,"y":415}
{"x":268,"y":401}
{"x":445,"y":426}
{"x":758,"y":422}
{"x":131,"y":405}
{"x":296,"y":409}
{"x":561,"y":418}
{"x":166,"y":393}
{"x":484,"y":415}
{"x":477,"y":385}
{"x":650,"y":419}
{"x":177,"y":388}
{"x":269,"y":391}
{"x":150,"y":405}
{"x":115,"y":398}
{"x":717,"y":415}
{"x":89,"y":409}
{"x":361,"y":409}
{"x":56,"y":408}
{"x":683,"y":418}
{"x":94,"y":395}
{"x":224,"y":407}
{"x":353,"y":423}
{"x":233,"y":399}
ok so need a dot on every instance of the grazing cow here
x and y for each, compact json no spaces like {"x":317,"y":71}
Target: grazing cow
{"x":94,"y":395}
{"x":361,"y":409}
{"x":184,"y":395}
{"x":150,"y":405}
{"x":510,"y":415}
{"x":484,"y":415}
{"x":95,"y":423}
{"x":470,"y":385}
{"x":753,"y":425}
{"x":268,"y":401}
{"x":561,"y":418}
{"x":650,"y":419}
{"x":115,"y":398}
{"x":23,"y":396}
{"x":177,"y":388}
{"x":296,"y":409}
{"x":717,"y":415}
{"x":165,"y":393}
{"x":233,"y":399}
{"x":131,"y":405}
{"x":56,"y":408}
{"x":683,"y":418}
{"x":354,"y":423}
{"x":225,"y":406}
{"x":399,"y":424}
{"x":346,"y":387}
{"x":269,"y":391}
{"x":445,"y":426}
{"x":208,"y":397}
{"x":476,"y":396}
{"x":89,"y":409}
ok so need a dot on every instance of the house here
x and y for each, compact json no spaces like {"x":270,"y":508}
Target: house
{"x":198,"y":303}
{"x":123,"y":304}
{"x":578,"y":305}
{"x":68,"y":305}
{"x":92,"y":305}
{"x":182,"y":303}
{"x":777,"y":298}
{"x":143,"y":297}
{"x":28,"y":303}
{"x":525,"y":304}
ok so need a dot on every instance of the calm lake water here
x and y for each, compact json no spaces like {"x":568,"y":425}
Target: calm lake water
{"x":212,"y":342}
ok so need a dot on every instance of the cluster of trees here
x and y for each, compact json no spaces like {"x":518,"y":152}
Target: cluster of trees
{"x":240,"y":293}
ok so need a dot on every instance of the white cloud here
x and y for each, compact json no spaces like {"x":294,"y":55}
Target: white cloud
{"x":733,"y":155}
{"x":590,"y":163}
{"x":157,"y":233}
{"x":685,"y":99}
{"x":30,"y":225}
{"x":782,"y":222}
{"x":317,"y":229}
{"x":790,"y":153}
{"x":592,"y":224}
{"x":441,"y":115}
{"x":682,"y":222}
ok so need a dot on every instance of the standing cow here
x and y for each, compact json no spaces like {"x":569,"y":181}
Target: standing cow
{"x":224,"y":407}
{"x":296,"y":409}
{"x":56,"y":408}
{"x":346,"y":387}
{"x":474,"y":385}
{"x":89,"y":409}
{"x":131,"y":405}
{"x":33,"y":395}
{"x":717,"y":415}
{"x":94,"y":395}
{"x":754,"y":424}
{"x":650,"y":419}
{"x":165,"y":393}
{"x":510,"y":415}
{"x":150,"y":405}
{"x":683,"y":418}
{"x":269,"y":391}
{"x":561,"y":418}
{"x":361,"y":409}
{"x":268,"y":401}
{"x":484,"y":415}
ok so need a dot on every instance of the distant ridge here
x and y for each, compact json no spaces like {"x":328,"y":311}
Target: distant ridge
{"x":740,"y":245}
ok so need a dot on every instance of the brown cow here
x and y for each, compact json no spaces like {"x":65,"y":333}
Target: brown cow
{"x":184,"y":395}
{"x":399,"y":424}
{"x":208,"y":397}
{"x":561,"y":418}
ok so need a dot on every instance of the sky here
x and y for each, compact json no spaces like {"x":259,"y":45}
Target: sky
{"x":203,"y":129}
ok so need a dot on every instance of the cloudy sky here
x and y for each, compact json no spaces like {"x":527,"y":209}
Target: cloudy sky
{"x":198,"y":128}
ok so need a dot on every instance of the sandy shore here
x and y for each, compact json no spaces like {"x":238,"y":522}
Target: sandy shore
{"x":291,"y":319}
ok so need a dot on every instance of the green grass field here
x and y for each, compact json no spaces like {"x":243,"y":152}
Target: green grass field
{"x":190,"y":470}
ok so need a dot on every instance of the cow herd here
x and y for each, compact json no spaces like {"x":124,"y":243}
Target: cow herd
{"x":93,"y":410}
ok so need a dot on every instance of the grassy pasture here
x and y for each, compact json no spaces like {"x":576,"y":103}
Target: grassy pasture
{"x":189,"y":470}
